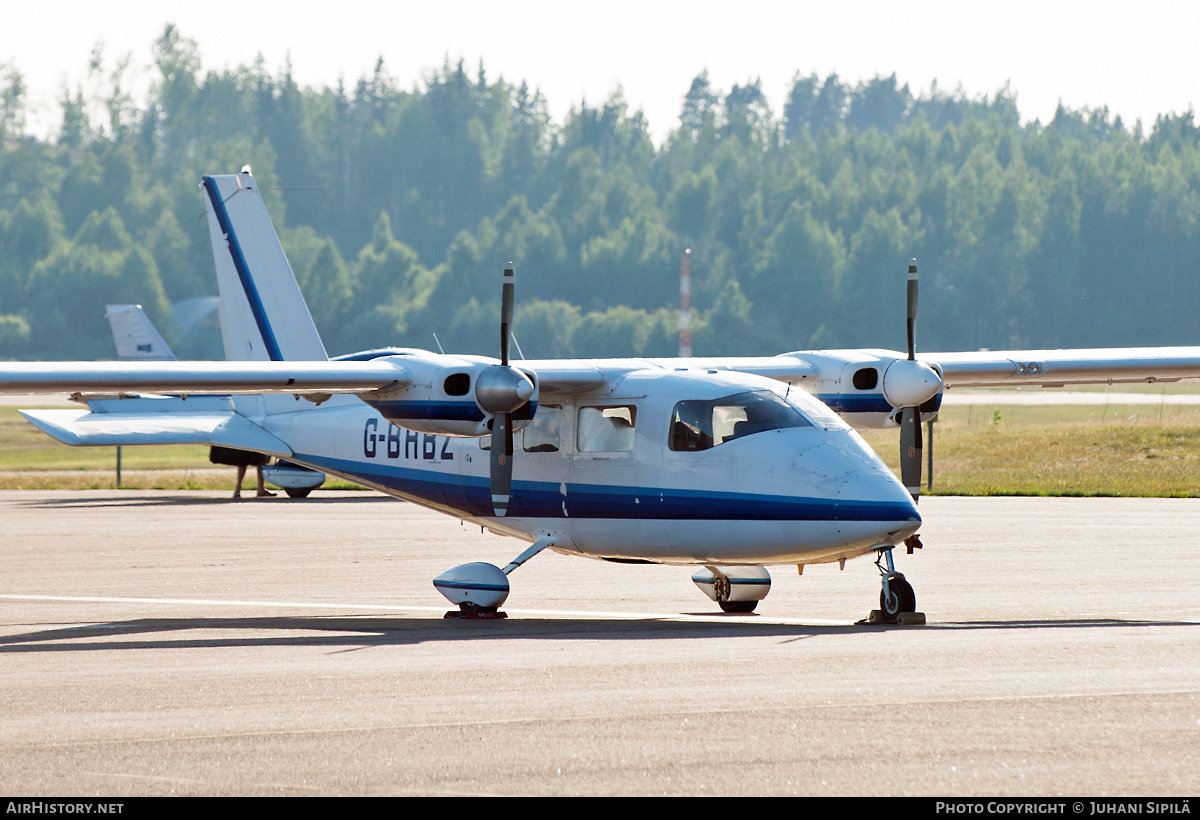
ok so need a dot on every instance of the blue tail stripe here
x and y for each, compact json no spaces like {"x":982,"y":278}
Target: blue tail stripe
{"x":243,"y":269}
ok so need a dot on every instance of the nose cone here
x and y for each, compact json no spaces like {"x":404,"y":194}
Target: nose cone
{"x":872,"y":493}
{"x":869,"y":479}
{"x":884,"y":491}
{"x":819,"y":494}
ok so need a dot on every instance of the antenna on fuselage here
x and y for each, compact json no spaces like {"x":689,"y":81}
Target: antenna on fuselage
{"x":439,"y":344}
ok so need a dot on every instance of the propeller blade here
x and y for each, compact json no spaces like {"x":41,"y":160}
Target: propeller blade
{"x":910,"y":417}
{"x":912,"y":310}
{"x":507,"y":295}
{"x":910,"y":450}
{"x":501,"y":462}
{"x":502,"y":434}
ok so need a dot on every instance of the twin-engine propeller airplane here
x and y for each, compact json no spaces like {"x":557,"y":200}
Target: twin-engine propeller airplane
{"x":728,"y":464}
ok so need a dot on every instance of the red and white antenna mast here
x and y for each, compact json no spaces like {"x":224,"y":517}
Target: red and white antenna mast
{"x":685,"y":305}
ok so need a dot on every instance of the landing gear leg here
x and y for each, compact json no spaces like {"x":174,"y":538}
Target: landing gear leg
{"x":897,"y":601}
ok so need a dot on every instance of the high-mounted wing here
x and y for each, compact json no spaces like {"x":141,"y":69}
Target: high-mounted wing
{"x":570,"y":376}
{"x":1056,"y":368}
{"x":786,"y":368}
{"x":197,"y":378}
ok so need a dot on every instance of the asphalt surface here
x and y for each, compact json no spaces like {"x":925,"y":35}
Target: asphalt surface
{"x":158,"y":643}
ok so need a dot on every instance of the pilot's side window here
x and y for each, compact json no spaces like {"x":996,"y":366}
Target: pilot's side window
{"x":701,"y":425}
{"x":541,"y":436}
{"x":606,"y":429}
{"x":691,"y":426}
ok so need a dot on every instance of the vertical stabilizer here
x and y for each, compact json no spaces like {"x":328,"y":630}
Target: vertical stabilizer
{"x":136,"y":337}
{"x":263,"y":314}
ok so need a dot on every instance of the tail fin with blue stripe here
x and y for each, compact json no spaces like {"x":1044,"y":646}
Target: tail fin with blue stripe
{"x":263,"y":314}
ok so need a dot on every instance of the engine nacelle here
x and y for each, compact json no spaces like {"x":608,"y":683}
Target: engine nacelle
{"x":867,"y":388}
{"x":456,"y":395}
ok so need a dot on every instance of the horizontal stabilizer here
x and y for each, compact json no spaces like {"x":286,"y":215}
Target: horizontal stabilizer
{"x":83,"y":428}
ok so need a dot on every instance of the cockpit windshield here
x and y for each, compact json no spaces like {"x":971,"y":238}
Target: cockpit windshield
{"x":701,"y":425}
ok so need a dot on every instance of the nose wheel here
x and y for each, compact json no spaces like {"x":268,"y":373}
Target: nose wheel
{"x":897,"y":601}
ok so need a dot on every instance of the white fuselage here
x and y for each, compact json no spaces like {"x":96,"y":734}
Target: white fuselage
{"x":795,"y":495}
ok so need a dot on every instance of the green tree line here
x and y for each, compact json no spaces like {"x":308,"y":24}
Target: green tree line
{"x":398,"y":208}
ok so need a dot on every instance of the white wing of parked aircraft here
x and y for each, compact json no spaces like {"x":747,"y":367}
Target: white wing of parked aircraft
{"x":728,"y":464}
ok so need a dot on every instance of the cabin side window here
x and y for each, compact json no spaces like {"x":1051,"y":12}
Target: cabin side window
{"x":541,"y":435}
{"x":457,"y":384}
{"x":865,"y":378}
{"x":702,"y":425}
{"x":606,"y":429}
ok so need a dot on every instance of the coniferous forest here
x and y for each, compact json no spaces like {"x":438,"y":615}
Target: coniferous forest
{"x":399,"y":206}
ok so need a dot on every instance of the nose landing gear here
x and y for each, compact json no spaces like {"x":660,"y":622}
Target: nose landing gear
{"x":897,"y":601}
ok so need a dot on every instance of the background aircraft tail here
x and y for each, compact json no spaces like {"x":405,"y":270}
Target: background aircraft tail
{"x":136,"y":337}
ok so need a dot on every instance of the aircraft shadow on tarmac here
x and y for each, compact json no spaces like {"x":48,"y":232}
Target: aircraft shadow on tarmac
{"x":370,"y":631}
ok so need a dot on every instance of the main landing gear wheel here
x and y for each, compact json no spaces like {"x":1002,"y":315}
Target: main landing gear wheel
{"x":737,"y":590}
{"x":480,"y":589}
{"x":298,"y":492}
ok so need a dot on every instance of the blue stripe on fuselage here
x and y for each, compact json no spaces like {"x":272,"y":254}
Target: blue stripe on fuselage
{"x":471,"y":496}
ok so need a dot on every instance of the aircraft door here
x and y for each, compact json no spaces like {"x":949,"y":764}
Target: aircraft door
{"x":603,"y":506}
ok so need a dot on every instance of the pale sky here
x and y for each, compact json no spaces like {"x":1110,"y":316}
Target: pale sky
{"x":1140,"y":59}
